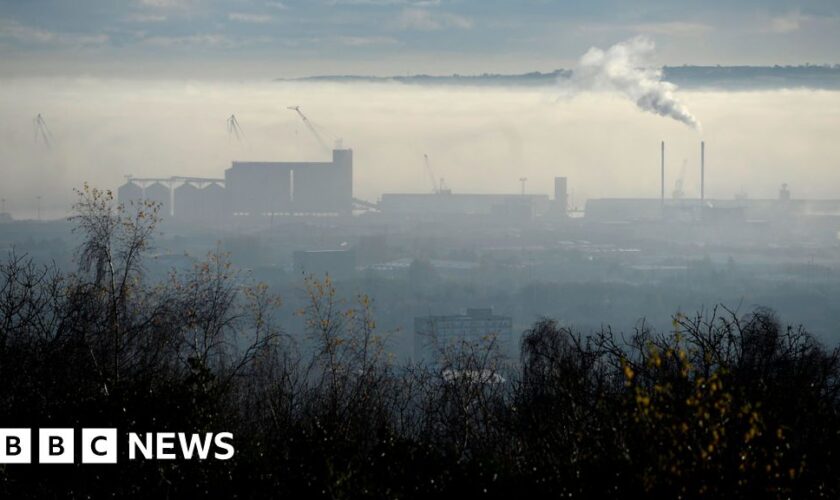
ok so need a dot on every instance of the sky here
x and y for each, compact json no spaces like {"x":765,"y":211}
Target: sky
{"x":243,"y":39}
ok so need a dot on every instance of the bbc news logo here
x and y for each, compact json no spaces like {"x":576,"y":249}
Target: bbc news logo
{"x":99,"y":446}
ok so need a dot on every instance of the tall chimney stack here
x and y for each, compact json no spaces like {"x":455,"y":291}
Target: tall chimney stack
{"x":702,"y":170}
{"x":663,"y":175}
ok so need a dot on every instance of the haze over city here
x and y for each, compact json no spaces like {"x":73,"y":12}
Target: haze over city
{"x":423,"y":248}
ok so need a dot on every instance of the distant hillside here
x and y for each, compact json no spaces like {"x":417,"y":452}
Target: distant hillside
{"x":535,"y":78}
{"x":751,"y":77}
{"x":728,"y":77}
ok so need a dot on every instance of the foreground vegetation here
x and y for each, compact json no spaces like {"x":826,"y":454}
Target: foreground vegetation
{"x":724,"y":405}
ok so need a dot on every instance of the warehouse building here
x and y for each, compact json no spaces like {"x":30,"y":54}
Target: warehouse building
{"x":289,"y":188}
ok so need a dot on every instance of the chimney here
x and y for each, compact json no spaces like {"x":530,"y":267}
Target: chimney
{"x":663,"y":175}
{"x":702,"y":170}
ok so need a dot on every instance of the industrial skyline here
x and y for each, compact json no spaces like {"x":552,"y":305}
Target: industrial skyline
{"x":418,"y":249}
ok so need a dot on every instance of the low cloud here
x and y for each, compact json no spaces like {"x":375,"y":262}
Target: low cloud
{"x":665,"y":28}
{"x":788,"y":23}
{"x":427,"y":20}
{"x":165,"y":4}
{"x":674,"y":28}
{"x":415,"y":3}
{"x":32,"y":35}
{"x":366,"y":41}
{"x":243,"y":17}
{"x":146,"y":18}
{"x":213,"y":40}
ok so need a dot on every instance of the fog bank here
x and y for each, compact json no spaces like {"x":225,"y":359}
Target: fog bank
{"x":478,"y":139}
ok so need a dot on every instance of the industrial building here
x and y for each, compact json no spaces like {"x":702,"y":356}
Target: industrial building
{"x":717,"y":211}
{"x":436,"y":335}
{"x":130,"y":193}
{"x":287,"y":188}
{"x":200,"y":204}
{"x":194,"y":200}
{"x":252,"y":189}
{"x":447,"y":203}
{"x":682,"y":209}
{"x":502,"y":207}
{"x":161,"y":195}
{"x":709,"y":210}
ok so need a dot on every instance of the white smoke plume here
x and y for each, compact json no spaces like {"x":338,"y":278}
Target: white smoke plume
{"x":622,"y":68}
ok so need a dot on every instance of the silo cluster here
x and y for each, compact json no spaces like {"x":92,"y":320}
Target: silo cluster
{"x":200,"y":201}
{"x":197,"y":204}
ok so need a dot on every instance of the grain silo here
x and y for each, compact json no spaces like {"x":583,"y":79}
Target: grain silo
{"x":130,"y":194}
{"x":159,"y":194}
{"x":188,"y":203}
{"x":214,"y":202}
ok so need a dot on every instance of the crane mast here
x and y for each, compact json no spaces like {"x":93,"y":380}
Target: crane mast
{"x":435,"y":185}
{"x":233,"y":128}
{"x":42,"y":132}
{"x":311,"y":127}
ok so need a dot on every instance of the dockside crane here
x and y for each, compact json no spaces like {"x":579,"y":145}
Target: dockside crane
{"x":312,"y":128}
{"x":233,"y":128}
{"x":435,"y":186}
{"x":42,"y":132}
{"x":438,"y":187}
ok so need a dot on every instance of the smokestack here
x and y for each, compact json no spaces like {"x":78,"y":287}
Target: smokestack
{"x":663,"y":175}
{"x":702,"y":170}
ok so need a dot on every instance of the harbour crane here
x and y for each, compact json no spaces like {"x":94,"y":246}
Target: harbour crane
{"x":42,"y":132}
{"x":438,"y":187}
{"x":311,"y":127}
{"x":435,"y":186}
{"x":233,"y":128}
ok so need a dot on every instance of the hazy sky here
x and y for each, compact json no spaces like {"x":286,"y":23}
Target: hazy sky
{"x":479,"y":139}
{"x":268,"y":38}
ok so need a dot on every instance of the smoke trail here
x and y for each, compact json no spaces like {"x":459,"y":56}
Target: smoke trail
{"x":621,"y":67}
